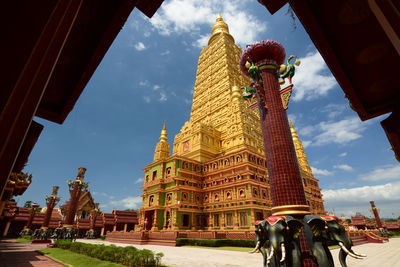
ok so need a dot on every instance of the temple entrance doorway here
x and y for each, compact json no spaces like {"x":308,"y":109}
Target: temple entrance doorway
{"x":148,"y":219}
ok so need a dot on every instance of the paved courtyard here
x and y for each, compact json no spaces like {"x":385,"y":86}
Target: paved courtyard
{"x":381,"y":255}
{"x":13,"y":254}
{"x":24,"y":255}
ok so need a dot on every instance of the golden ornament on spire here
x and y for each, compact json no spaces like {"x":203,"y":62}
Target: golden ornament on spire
{"x":163,"y":136}
{"x":219,"y":27}
{"x":162,"y":149}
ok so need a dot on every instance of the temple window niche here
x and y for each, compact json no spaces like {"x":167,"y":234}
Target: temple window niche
{"x":168,"y":172}
{"x":154,"y":175}
{"x":243,"y":218}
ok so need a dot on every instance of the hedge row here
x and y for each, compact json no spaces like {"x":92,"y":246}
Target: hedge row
{"x":129,"y":256}
{"x":215,"y":242}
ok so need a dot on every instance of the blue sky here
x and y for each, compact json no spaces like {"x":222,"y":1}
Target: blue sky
{"x":148,"y":76}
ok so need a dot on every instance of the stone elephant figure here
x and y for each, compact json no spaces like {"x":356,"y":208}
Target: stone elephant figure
{"x":317,"y":241}
{"x":282,"y":234}
{"x":328,"y":228}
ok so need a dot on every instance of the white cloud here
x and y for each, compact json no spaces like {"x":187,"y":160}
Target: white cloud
{"x":343,"y":167}
{"x":144,"y":83}
{"x":321,"y":172}
{"x":147,"y":34}
{"x":347,"y":198}
{"x":333,"y":110}
{"x":166,"y":52}
{"x":147,"y":99}
{"x":156,"y":87}
{"x":344,"y":154}
{"x":388,"y":172}
{"x":140,"y":46}
{"x":339,"y":132}
{"x":127,"y":203}
{"x":202,"y":41}
{"x":139,"y":180}
{"x":187,"y":16}
{"x":312,"y":78}
{"x":163,"y":97}
{"x":306,"y":143}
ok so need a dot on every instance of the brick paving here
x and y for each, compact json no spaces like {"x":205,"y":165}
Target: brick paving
{"x":13,"y":254}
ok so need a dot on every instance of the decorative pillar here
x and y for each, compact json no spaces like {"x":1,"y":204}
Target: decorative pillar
{"x":93,"y":216}
{"x":222,"y":220}
{"x":376,"y":215}
{"x":115,"y":227}
{"x":253,"y":219}
{"x":260,"y":61}
{"x":210,"y":222}
{"x":31,"y":216}
{"x":102,"y":231}
{"x":125,"y":227}
{"x":51,"y":202}
{"x":286,"y":186}
{"x":76,"y":193}
{"x":6,"y":228}
{"x":154,"y":227}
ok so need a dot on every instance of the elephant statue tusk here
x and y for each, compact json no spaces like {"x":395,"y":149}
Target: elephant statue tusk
{"x":283,"y":252}
{"x":256,"y":249}
{"x":270,"y":255}
{"x":348,"y":252}
{"x":359,"y":255}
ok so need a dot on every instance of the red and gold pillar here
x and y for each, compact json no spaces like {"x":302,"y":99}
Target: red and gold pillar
{"x":376,"y":215}
{"x":73,"y":202}
{"x":284,"y":175}
{"x":51,"y":202}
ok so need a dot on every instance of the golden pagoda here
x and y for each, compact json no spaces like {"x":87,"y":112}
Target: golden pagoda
{"x":216,"y":178}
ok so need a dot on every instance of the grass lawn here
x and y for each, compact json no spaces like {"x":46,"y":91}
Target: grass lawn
{"x":23,"y":240}
{"x":76,"y":259}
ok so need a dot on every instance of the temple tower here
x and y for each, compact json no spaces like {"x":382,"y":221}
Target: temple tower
{"x":162,"y":149}
{"x":218,"y":123}
{"x":301,"y":155}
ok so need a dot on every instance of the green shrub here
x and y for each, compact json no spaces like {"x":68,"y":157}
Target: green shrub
{"x":63,"y":244}
{"x":215,"y":242}
{"x":129,"y":256}
{"x":393,"y":233}
{"x":102,"y":237}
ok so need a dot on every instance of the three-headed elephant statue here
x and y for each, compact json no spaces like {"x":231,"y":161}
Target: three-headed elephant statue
{"x":280,"y":235}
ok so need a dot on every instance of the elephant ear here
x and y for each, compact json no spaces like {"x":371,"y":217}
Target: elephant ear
{"x":294,"y":226}
{"x":316,"y":223}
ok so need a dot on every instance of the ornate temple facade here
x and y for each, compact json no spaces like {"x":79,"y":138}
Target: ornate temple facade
{"x":216,"y":178}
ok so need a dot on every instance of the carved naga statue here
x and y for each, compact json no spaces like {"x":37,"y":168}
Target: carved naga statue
{"x":282,"y":234}
{"x":287,"y":71}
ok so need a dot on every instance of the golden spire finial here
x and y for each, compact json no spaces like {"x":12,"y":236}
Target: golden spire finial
{"x":163,"y":136}
{"x":219,"y":27}
{"x":293,"y":131}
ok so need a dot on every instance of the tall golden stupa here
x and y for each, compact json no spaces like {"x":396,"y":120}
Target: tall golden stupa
{"x":216,"y":178}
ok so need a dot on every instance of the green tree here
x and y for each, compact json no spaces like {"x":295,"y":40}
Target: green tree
{"x":28,"y":204}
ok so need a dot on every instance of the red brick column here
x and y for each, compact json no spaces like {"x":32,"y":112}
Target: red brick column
{"x":51,"y":202}
{"x":375,"y":212}
{"x":284,"y":174}
{"x":287,"y":190}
